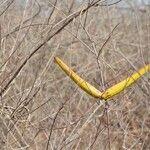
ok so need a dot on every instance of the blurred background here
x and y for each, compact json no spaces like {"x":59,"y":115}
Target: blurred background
{"x":104,"y":42}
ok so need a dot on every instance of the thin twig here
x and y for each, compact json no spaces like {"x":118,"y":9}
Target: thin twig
{"x":56,"y":29}
{"x":53,"y":123}
{"x":108,"y":127}
{"x":109,"y":36}
{"x":114,"y":3}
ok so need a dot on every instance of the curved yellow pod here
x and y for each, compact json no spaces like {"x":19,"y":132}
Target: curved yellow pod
{"x":110,"y":92}
{"x":78,"y":80}
{"x":125,"y":83}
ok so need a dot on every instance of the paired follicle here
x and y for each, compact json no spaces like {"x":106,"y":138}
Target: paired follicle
{"x":108,"y":93}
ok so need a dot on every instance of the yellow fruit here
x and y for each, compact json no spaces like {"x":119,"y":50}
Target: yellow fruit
{"x":110,"y":92}
{"x":125,"y":83}
{"x":78,"y":80}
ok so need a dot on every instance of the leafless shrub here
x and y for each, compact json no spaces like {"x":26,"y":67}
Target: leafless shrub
{"x":40,"y":108}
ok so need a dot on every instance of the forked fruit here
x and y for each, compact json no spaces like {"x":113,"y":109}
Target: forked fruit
{"x":110,"y":92}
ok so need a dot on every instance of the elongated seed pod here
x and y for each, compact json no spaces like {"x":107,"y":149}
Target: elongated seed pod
{"x":110,"y":92}
{"x":88,"y":88}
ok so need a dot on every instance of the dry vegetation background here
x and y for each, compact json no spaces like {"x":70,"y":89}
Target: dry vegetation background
{"x":41,"y":108}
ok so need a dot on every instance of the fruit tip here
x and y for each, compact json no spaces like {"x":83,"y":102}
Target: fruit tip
{"x":55,"y":59}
